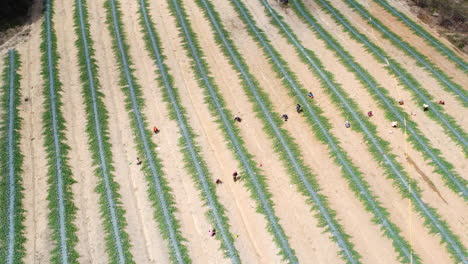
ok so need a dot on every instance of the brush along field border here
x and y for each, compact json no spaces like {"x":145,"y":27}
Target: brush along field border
{"x":287,"y":149}
{"x":423,"y":61}
{"x":417,"y":29}
{"x":351,"y":173}
{"x":62,"y":209}
{"x":117,"y":241}
{"x":436,"y":112}
{"x":11,"y":160}
{"x":194,"y":162}
{"x":379,"y":147}
{"x":159,"y":191}
{"x":417,"y":139}
{"x":255,"y":181}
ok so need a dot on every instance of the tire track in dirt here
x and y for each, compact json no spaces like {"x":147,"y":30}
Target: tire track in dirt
{"x":90,"y":231}
{"x":147,"y":243}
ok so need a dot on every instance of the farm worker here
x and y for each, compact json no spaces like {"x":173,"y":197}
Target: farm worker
{"x":238,"y":119}
{"x":401,"y":102}
{"x":155,"y":130}
{"x":212,"y":232}
{"x":441,"y":102}
{"x":285,"y":117}
{"x":235,"y":176}
{"x":298,"y":108}
{"x":347,"y":124}
{"x":139,"y":161}
{"x":218,"y":181}
{"x":394,"y":124}
{"x":425,"y":107}
{"x":369,"y":114}
{"x":311,"y":96}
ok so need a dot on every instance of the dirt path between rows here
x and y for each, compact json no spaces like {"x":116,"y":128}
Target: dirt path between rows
{"x":145,"y":238}
{"x":90,"y":230}
{"x":191,"y":209}
{"x":396,"y":139}
{"x":418,"y":42}
{"x":38,"y":243}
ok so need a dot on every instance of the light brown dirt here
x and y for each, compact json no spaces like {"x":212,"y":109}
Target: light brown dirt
{"x":255,"y":243}
{"x":429,"y":83}
{"x":335,"y":68}
{"x":407,"y":35}
{"x":90,"y":231}
{"x":191,"y":209}
{"x":147,"y":243}
{"x":429,"y":127}
{"x":38,"y":242}
{"x":398,"y":143}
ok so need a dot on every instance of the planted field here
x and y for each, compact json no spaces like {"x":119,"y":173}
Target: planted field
{"x":232,"y":131}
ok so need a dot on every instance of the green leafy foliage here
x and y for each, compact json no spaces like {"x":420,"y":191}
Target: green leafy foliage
{"x":11,"y":185}
{"x":255,"y":180}
{"x":416,"y":138}
{"x":117,"y":241}
{"x":379,"y":148}
{"x":194,"y":163}
{"x":60,"y":179}
{"x":159,"y":191}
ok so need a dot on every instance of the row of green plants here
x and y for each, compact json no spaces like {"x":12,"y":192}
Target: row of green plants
{"x":445,"y":81}
{"x":255,"y":181}
{"x":432,"y":41}
{"x":417,"y":139}
{"x":62,"y":210}
{"x":285,"y":145}
{"x":194,"y":163}
{"x":12,"y":238}
{"x":159,"y":191}
{"x":377,"y":146}
{"x":97,"y":128}
{"x":321,"y":128}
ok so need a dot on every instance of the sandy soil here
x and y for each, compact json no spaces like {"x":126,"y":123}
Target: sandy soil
{"x":348,"y":81}
{"x":254,"y":243}
{"x":366,"y":101}
{"x":407,"y":35}
{"x":430,"y":128}
{"x":426,"y":80}
{"x":38,"y":242}
{"x":195,"y":225}
{"x":147,"y":243}
{"x":91,"y":244}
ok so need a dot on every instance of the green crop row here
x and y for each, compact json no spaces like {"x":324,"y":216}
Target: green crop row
{"x":417,"y":139}
{"x":255,"y":181}
{"x":11,"y":160}
{"x":194,"y":163}
{"x":445,"y":82}
{"x":285,"y":145}
{"x":417,"y":29}
{"x":159,"y":191}
{"x":97,"y":127}
{"x":379,"y":148}
{"x":320,"y":127}
{"x":60,"y":179}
